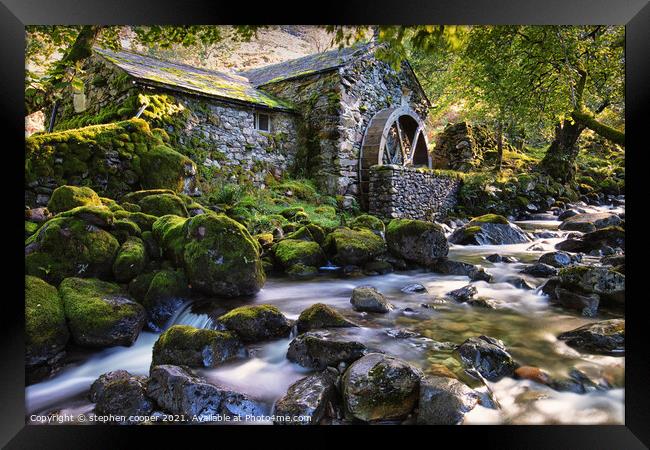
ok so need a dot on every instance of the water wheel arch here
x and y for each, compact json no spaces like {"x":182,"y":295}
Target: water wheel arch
{"x":394,"y":136}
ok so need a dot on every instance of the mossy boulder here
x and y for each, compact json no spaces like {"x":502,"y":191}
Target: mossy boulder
{"x":30,"y":228}
{"x":353,"y":247}
{"x":290,"y":213}
{"x":68,"y":246}
{"x":590,"y":222}
{"x":490,"y":218}
{"x":370,"y":222}
{"x":289,"y":252}
{"x":166,"y":291}
{"x":170,"y":232}
{"x":99,"y":313}
{"x":100,"y":216}
{"x":46,"y":331}
{"x":416,"y":241}
{"x":256,"y":323}
{"x":121,"y":398}
{"x":65,"y":198}
{"x":311,"y":397}
{"x":136,"y":196}
{"x":163,"y":204}
{"x":302,"y":272}
{"x":301,"y":234}
{"x":604,"y":281}
{"x":165,"y":167}
{"x":142,"y":220}
{"x":380,"y":387}
{"x":369,"y":299}
{"x":320,"y":315}
{"x":130,"y":260}
{"x":317,"y":232}
{"x":221,"y":257}
{"x":184,"y":345}
{"x":124,"y":229}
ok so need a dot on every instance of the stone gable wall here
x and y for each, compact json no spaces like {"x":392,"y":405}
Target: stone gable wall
{"x":337,"y":107}
{"x":410,"y":193}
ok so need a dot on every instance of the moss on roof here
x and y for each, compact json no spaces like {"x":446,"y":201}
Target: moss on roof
{"x":181,"y":77}
{"x":304,"y":66}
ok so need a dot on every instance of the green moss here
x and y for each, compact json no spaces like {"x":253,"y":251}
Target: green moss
{"x":369,"y":222}
{"x":125,"y":228}
{"x":91,"y":310}
{"x":135,"y":197}
{"x":165,"y":284}
{"x":170,"y":233}
{"x":354,"y":246}
{"x":320,"y":315}
{"x":302,"y":234}
{"x":194,"y":347}
{"x":291,"y":251}
{"x":95,"y":215}
{"x":131,"y":207}
{"x":165,"y":167}
{"x":45,"y":327}
{"x":290,"y":213}
{"x":65,"y":198}
{"x":163,"y":204}
{"x":68,"y":246}
{"x":139,"y":286}
{"x":317,"y":233}
{"x":142,"y":220}
{"x":111,"y":204}
{"x":221,"y":257}
{"x":489,"y":218}
{"x":249,"y":312}
{"x":30,"y":228}
{"x":130,"y":260}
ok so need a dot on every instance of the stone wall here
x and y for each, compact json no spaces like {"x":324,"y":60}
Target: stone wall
{"x":337,"y":106}
{"x":411,"y":193}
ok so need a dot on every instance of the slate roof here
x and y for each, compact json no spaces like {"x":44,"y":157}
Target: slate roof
{"x":307,"y":65}
{"x":181,"y":77}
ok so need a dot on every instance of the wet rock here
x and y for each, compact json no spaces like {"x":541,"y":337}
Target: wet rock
{"x":586,"y":304}
{"x":400,"y":333}
{"x":535,"y":248}
{"x":602,"y":240}
{"x":179,"y":391}
{"x":566,"y":214}
{"x":520,"y":283}
{"x":577,"y":382}
{"x":482,"y":302}
{"x":604,"y":281}
{"x":369,"y":299}
{"x":487,"y":355}
{"x":532,"y":373}
{"x":377,"y":268}
{"x":163,"y":296}
{"x":311,"y":397}
{"x":184,"y":345}
{"x":380,"y":387}
{"x":351,"y":271}
{"x":589,"y":222}
{"x":416,"y":241}
{"x":463,"y":294}
{"x":121,"y":394}
{"x":555,"y":259}
{"x":256,"y":323}
{"x":415,"y":288}
{"x":606,"y":337}
{"x":613,"y":260}
{"x":444,"y":401}
{"x":540,"y":270}
{"x":320,"y":315}
{"x":494,"y":257}
{"x":317,"y":351}
{"x":490,"y":229}
{"x":446,"y":266}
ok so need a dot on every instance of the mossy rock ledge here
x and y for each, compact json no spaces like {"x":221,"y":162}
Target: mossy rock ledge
{"x":46,"y":331}
{"x":99,"y":313}
{"x":320,"y":315}
{"x":65,"y":198}
{"x":221,"y":257}
{"x":130,"y":260}
{"x":196,"y":347}
{"x":416,"y":241}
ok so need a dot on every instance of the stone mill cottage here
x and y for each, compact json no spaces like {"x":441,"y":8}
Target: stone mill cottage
{"x":331,"y":116}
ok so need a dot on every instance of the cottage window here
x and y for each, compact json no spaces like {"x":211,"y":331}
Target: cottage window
{"x":262,"y":122}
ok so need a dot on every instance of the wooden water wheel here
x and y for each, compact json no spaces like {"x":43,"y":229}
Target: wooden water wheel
{"x":394,"y":136}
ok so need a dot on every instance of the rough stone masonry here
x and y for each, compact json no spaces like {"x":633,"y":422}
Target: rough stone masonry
{"x":411,"y":193}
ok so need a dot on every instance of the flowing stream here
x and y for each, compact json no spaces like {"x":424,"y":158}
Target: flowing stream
{"x":424,"y":336}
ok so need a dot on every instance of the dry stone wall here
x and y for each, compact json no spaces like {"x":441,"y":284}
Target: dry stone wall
{"x":411,"y":193}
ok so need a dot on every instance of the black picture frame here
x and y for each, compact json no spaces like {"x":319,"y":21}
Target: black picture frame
{"x":15,"y":14}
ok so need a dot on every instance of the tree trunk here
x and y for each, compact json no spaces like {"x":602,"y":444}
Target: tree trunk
{"x":609,"y":133}
{"x":559,"y":160}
